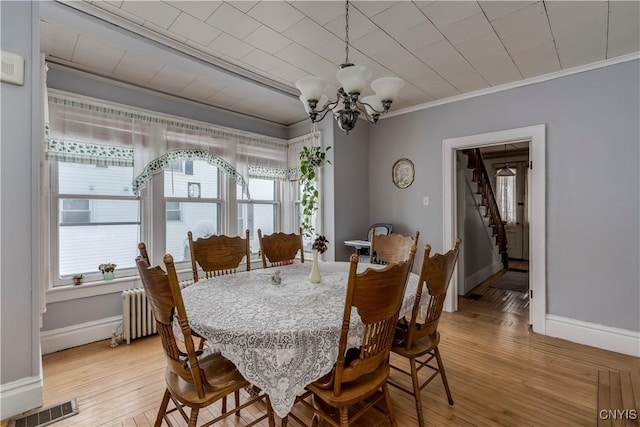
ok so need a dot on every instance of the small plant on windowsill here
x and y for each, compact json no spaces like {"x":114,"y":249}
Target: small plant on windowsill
{"x":107,"y":270}
{"x":77,"y":279}
{"x":311,"y":158}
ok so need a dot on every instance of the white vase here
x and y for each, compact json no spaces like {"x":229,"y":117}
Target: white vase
{"x":314,"y":277}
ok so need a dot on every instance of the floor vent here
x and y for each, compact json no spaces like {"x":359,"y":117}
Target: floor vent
{"x":46,"y":416}
{"x":473,"y":296}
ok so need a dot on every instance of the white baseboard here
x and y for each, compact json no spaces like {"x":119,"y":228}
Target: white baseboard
{"x":73,"y":336}
{"x":21,"y":396}
{"x":480,"y":276}
{"x":594,"y":335}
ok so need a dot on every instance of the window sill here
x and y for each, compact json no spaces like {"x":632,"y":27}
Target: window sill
{"x":101,"y":287}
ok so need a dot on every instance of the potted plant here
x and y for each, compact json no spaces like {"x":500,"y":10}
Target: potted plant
{"x":77,"y":279}
{"x":311,"y":158}
{"x":107,"y":270}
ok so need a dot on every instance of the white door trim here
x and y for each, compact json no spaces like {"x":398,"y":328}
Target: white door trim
{"x":536,"y":135}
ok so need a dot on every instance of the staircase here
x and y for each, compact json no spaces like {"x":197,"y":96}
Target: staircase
{"x":481,"y":177}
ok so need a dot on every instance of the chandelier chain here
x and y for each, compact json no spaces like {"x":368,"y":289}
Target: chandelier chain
{"x":346,"y":29}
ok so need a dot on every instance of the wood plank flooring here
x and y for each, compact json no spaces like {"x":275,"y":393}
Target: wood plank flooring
{"x":499,"y":372}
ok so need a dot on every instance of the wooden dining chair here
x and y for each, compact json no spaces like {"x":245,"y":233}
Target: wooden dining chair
{"x":392,"y":247}
{"x":360,"y":374}
{"x":193,"y":380}
{"x":218,"y":255}
{"x":417,"y":335}
{"x":280,"y":248}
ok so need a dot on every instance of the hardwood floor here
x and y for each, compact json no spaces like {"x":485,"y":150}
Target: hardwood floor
{"x":499,"y":372}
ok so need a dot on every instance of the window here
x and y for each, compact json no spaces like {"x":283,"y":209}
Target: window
{"x":259,"y":213}
{"x":506,"y":197}
{"x":186,"y":211}
{"x":75,"y":211}
{"x":97,"y":220}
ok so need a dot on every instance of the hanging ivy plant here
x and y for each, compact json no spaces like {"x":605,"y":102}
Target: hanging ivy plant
{"x":311,"y":158}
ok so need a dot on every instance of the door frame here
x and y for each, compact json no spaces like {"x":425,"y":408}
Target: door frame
{"x":536,"y":135}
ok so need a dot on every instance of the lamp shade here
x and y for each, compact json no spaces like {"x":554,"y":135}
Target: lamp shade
{"x":387,"y":88}
{"x":311,"y":88}
{"x":505,"y":171}
{"x":372,"y":103}
{"x":323,"y":100}
{"x":353,"y":78}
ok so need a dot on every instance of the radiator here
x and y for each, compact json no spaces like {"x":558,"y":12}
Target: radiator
{"x":137,"y":317}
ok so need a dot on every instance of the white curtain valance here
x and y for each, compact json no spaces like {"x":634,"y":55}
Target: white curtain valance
{"x":161,"y":163}
{"x":82,"y":152}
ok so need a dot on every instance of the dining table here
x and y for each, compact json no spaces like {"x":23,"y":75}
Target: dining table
{"x":280,"y":330}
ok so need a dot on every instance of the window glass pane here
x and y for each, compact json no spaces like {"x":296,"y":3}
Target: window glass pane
{"x":201,"y":176}
{"x":75,"y":178}
{"x":253,"y":216}
{"x":202,"y":219}
{"x":260,"y":189}
{"x":111,"y":235}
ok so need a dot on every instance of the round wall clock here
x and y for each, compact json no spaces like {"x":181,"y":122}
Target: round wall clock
{"x":403,"y":173}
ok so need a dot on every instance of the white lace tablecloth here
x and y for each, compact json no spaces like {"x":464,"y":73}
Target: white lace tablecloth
{"x":280,"y":337}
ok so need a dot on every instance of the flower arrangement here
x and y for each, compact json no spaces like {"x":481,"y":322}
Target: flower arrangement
{"x":320,"y":244}
{"x":107,"y":268}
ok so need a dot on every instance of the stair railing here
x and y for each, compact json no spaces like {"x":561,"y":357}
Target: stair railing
{"x":481,"y":178}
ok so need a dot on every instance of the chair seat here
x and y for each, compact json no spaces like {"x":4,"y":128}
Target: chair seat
{"x":420,"y":346}
{"x":221,"y":374}
{"x":354,"y":391}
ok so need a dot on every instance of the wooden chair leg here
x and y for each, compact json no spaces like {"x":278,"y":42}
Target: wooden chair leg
{"x":224,"y":404}
{"x":237,"y":397}
{"x":163,"y":409}
{"x":443,"y":375}
{"x":416,"y":392}
{"x":270,"y":417}
{"x":387,"y":400}
{"x":193,"y":419}
{"x":344,"y":417}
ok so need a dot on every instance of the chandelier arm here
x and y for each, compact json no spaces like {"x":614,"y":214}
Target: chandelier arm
{"x":360,"y":103}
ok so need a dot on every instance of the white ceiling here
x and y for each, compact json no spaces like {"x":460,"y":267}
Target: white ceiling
{"x":440,"y":48}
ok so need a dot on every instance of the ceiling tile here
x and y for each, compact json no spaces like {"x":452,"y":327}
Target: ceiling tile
{"x":577,"y":20}
{"x":536,"y":61}
{"x":136,"y":68}
{"x":231,"y":46}
{"x":412,"y":94}
{"x":582,"y":51}
{"x":267,"y":39}
{"x":443,"y":13}
{"x":97,"y":54}
{"x":242,"y":5}
{"x":201,"y":88}
{"x":193,"y":29}
{"x":296,"y":55}
{"x":467,"y":29}
{"x":400,"y":62}
{"x":372,"y":8}
{"x":433,"y":84}
{"x":201,"y":10}
{"x":376,"y":42}
{"x":259,"y":59}
{"x":530,"y":20}
{"x":159,"y":13}
{"x":359,"y":25}
{"x":276,"y":15}
{"x":171,"y":79}
{"x":288,"y":72}
{"x":624,"y":28}
{"x":321,"y":12}
{"x":497,"y":9}
{"x":230,"y":95}
{"x":57,"y":40}
{"x":317,"y":39}
{"x":116,"y":9}
{"x":489,"y":57}
{"x":419,"y":36}
{"x":164,"y":32}
{"x":232,"y":21}
{"x":396,"y":19}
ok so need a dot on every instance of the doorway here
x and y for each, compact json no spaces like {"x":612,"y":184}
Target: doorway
{"x":536,"y":210}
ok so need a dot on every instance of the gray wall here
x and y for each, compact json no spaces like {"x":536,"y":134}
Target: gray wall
{"x":19,"y":343}
{"x":593,"y":145}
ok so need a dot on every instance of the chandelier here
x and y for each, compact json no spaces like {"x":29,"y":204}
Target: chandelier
{"x":348,"y":105}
